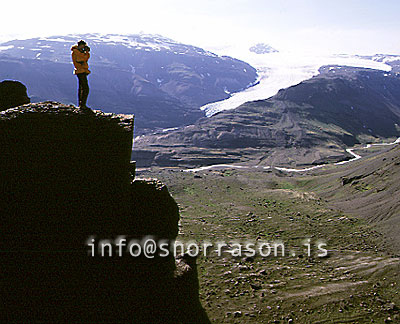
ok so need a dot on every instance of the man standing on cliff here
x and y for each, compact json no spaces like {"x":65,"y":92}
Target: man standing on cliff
{"x":80,"y":57}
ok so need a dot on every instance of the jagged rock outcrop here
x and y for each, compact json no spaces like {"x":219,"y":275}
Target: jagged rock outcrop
{"x":12,"y":94}
{"x":148,"y":198}
{"x":65,"y":179}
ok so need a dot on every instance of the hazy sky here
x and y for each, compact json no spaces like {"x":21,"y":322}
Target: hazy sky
{"x":336,"y":26}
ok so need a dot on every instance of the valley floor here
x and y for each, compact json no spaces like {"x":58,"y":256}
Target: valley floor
{"x":357,"y":282}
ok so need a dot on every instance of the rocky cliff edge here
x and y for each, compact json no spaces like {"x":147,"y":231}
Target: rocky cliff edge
{"x":65,"y":178}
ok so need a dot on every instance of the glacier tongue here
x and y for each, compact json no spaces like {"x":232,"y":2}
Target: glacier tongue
{"x":281,"y":70}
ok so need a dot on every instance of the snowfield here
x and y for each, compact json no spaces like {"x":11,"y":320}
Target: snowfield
{"x":281,"y":70}
{"x":4,"y":48}
{"x":148,"y":42}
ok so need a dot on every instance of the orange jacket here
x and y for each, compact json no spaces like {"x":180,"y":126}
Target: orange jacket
{"x":80,"y":60}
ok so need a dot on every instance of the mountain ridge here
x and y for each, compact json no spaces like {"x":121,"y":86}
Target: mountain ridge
{"x":310,"y":123}
{"x":162,"y":82}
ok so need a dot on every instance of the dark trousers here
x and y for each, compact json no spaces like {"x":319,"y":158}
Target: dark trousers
{"x":83,"y":89}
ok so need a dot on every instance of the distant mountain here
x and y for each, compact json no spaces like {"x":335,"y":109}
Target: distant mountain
{"x":262,"y":48}
{"x":283,"y":69}
{"x":310,"y":123}
{"x":392,"y":60}
{"x":163,"y":82}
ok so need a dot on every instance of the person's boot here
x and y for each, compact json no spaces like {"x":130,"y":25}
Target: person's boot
{"x":84,"y":108}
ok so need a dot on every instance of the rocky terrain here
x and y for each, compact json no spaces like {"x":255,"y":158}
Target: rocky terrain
{"x":368,"y":189}
{"x":353,"y":208}
{"x":66,"y":178}
{"x":12,"y":94}
{"x":310,"y":123}
{"x":161,"y":81}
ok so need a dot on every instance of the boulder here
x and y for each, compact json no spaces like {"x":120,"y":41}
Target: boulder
{"x":12,"y":94}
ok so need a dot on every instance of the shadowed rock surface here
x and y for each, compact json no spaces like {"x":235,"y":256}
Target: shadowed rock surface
{"x":12,"y":94}
{"x":65,"y":178}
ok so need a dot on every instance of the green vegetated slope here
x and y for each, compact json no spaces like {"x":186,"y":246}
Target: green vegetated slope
{"x":368,"y":188}
{"x":356,"y":283}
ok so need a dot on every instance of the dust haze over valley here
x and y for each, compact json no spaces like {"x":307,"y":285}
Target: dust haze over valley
{"x":261,"y":123}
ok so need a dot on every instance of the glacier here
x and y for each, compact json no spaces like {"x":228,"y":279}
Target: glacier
{"x":281,"y":70}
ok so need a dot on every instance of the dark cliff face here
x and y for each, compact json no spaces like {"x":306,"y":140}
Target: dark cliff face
{"x":58,"y":160}
{"x":12,"y":94}
{"x":65,"y":178}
